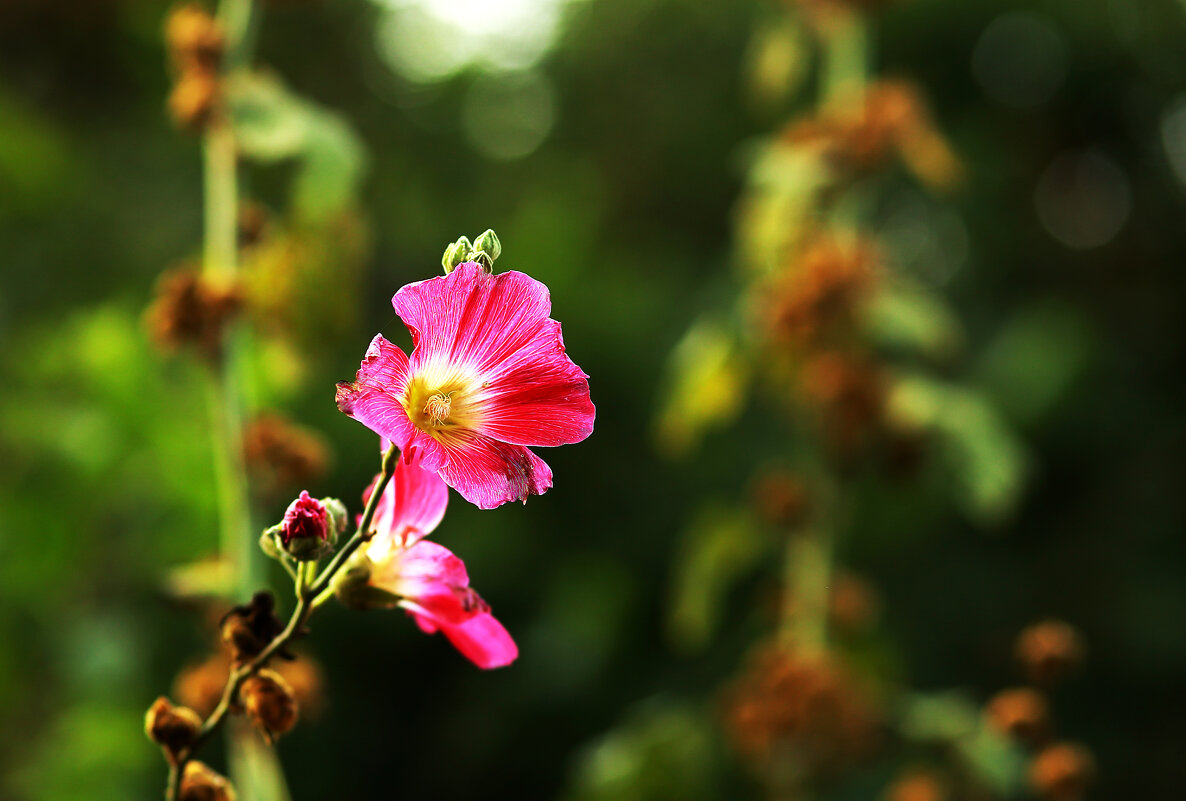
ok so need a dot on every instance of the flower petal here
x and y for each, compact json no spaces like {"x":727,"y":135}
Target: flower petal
{"x":412,"y":507}
{"x":488,"y":473}
{"x":374,"y":397}
{"x":470,"y":317}
{"x":538,"y":396}
{"x":483,"y":641}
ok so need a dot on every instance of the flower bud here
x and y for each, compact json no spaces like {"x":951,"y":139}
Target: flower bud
{"x":1049,"y":650}
{"x":193,"y":101}
{"x":172,"y":727}
{"x":457,"y":253}
{"x":1021,"y":713}
{"x":309,"y":530}
{"x":353,"y":589}
{"x":1062,"y":772}
{"x":487,"y":246}
{"x":268,"y":701}
{"x":200,"y":783}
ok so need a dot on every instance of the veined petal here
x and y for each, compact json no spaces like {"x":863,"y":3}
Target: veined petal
{"x":374,"y":398}
{"x":538,"y":396}
{"x":412,"y":507}
{"x":472,"y":318}
{"x":488,"y":473}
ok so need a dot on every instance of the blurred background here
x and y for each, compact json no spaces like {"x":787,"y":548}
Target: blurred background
{"x":610,"y":143}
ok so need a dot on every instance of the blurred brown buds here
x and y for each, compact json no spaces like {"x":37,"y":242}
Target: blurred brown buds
{"x":282,"y":455}
{"x":806,"y":707}
{"x":195,"y":42}
{"x":248,"y":629}
{"x":1062,"y":772}
{"x":200,"y":783}
{"x":917,"y":785}
{"x":189,"y":309}
{"x":1021,"y":713}
{"x":200,"y":685}
{"x":270,"y":703}
{"x":817,"y":297}
{"x":171,"y":727}
{"x":848,"y":395}
{"x":1049,"y":650}
{"x":892,"y":121}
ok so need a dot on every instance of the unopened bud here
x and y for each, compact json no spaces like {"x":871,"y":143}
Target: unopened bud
{"x":200,"y":783}
{"x":194,"y":38}
{"x":268,"y":701}
{"x":457,"y":253}
{"x":487,"y":248}
{"x":172,"y":727}
{"x":193,"y":100}
{"x":309,"y":530}
{"x":1049,"y":650}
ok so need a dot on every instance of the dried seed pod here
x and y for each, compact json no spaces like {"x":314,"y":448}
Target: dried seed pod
{"x":194,"y":38}
{"x":250,"y":627}
{"x":269,"y":702}
{"x":172,"y":727}
{"x":782,"y":499}
{"x":918,"y":784}
{"x":194,"y":98}
{"x":1049,"y":650}
{"x":1021,"y":713}
{"x":1062,"y":772}
{"x":200,"y":783}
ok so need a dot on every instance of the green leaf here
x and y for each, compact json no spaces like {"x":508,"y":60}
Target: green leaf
{"x":718,"y":548}
{"x":982,"y":452}
{"x":904,"y":317}
{"x":273,"y":124}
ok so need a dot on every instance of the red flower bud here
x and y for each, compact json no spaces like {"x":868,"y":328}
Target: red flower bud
{"x":306,"y":518}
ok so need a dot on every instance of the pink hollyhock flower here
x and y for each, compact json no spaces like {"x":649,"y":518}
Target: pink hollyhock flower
{"x":305,"y":518}
{"x":487,"y":377}
{"x":429,"y":580}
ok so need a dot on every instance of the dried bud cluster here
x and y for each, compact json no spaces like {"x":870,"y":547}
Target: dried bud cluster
{"x":269,"y":702}
{"x":282,"y":455}
{"x":1049,"y":650}
{"x":249,"y":628}
{"x":200,"y":685}
{"x":171,"y":727}
{"x":1062,"y":772}
{"x":808,"y":706}
{"x":200,"y":783}
{"x":848,"y":394}
{"x":190,"y":310}
{"x":917,"y":785}
{"x":892,"y":121}
{"x":196,"y":43}
{"x":816,"y":299}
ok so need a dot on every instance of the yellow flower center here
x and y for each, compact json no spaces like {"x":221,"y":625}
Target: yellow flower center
{"x":436,"y":409}
{"x":440,"y":402}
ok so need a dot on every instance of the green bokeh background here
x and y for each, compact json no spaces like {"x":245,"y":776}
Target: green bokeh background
{"x":625,"y":211}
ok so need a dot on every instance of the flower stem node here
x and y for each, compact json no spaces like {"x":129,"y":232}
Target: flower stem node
{"x":200,"y":783}
{"x":309,"y":531}
{"x":171,"y":727}
{"x":269,"y":702}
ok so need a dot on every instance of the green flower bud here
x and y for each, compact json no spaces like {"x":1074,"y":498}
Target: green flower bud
{"x":353,"y":589}
{"x":338,"y":516}
{"x":488,"y":246}
{"x":457,"y":253}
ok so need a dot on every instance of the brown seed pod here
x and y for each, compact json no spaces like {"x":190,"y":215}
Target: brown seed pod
{"x":1049,"y":650}
{"x":194,"y":100}
{"x":172,"y":727}
{"x":269,"y":702}
{"x":782,"y":499}
{"x":200,"y":783}
{"x":1021,"y":713}
{"x":917,"y":784}
{"x":1062,"y":772}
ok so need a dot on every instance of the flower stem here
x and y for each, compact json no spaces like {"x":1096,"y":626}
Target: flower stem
{"x":309,"y":592}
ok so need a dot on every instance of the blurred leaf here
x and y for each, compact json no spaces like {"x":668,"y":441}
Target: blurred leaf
{"x":907,"y":317}
{"x":662,"y":750}
{"x":939,"y":717}
{"x":273,"y":124}
{"x":206,"y":579}
{"x":980,"y":449}
{"x":784,"y":183}
{"x":1031,"y":363}
{"x":717,"y":549}
{"x":998,"y":762}
{"x":36,"y":165}
{"x":708,"y":376}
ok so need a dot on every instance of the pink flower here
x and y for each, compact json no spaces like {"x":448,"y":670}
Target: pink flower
{"x":305,"y":518}
{"x":487,"y":377}
{"x":430,"y":582}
